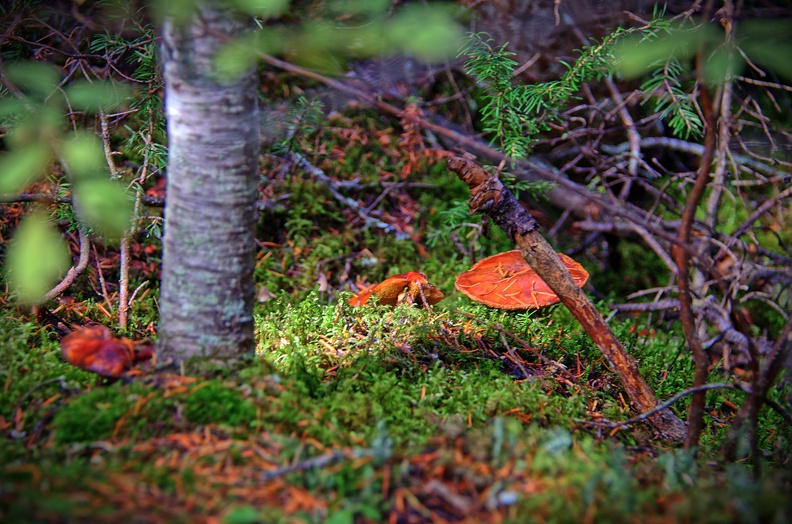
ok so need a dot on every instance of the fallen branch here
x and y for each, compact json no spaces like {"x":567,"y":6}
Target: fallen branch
{"x":692,"y":148}
{"x":490,"y":196}
{"x":320,"y":175}
{"x":75,"y":271}
{"x":316,"y":462}
{"x":525,"y":345}
{"x":665,"y":405}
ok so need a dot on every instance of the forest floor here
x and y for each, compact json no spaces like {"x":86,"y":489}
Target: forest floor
{"x":397,"y":415}
{"x":460,"y":413}
{"x":457,"y":413}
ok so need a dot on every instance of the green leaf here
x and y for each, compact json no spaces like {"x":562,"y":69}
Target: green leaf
{"x":103,"y":206}
{"x":636,"y":55}
{"x":179,"y":12}
{"x":427,"y":32}
{"x":84,"y":156}
{"x":262,"y":8}
{"x":39,"y":123}
{"x":719,"y":66}
{"x":37,"y":78}
{"x":235,"y":59}
{"x":36,"y":259}
{"x":363,"y":7}
{"x":318,"y":45}
{"x":97,"y":96}
{"x":342,"y":516}
{"x":243,"y":515}
{"x":769,"y":43}
{"x":20,"y":167}
{"x":11,"y":107}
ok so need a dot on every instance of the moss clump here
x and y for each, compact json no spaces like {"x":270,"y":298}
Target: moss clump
{"x":214,"y":403}
{"x":94,"y":415}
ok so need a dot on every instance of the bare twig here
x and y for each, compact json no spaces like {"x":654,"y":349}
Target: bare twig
{"x":525,"y":345}
{"x":696,"y":415}
{"x":665,"y":405}
{"x":124,"y":251}
{"x":749,"y":411}
{"x":320,"y":175}
{"x":724,"y":129}
{"x":633,"y":138}
{"x":316,"y":463}
{"x":761,"y":210}
{"x":691,"y":148}
{"x":625,"y":227}
{"x":75,"y":271}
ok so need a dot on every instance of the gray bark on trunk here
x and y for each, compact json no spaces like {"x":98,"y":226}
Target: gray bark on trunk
{"x":207,"y":291}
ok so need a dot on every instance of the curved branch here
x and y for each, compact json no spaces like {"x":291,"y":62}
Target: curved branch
{"x":75,"y":271}
{"x":696,"y":415}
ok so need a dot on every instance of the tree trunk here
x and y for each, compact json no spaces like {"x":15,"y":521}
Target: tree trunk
{"x":207,"y":291}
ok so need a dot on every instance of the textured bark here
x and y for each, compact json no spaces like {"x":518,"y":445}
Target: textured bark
{"x":207,"y":292}
{"x":489,"y":195}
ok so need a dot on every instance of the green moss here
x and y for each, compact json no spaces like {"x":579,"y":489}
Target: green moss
{"x":94,"y":415}
{"x":215,"y":403}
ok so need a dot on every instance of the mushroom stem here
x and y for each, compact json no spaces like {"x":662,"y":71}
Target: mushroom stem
{"x":490,"y":196}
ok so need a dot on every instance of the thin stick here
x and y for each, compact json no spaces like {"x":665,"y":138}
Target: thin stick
{"x":75,"y":271}
{"x":124,"y":251}
{"x":664,"y":405}
{"x":352,"y":204}
{"x":85,"y":248}
{"x":315,"y":463}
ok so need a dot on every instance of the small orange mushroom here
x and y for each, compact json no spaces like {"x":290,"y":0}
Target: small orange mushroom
{"x":506,"y":281}
{"x":95,"y":349}
{"x":410,"y":287}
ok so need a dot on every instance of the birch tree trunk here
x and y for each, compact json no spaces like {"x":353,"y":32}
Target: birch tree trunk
{"x":207,"y":291}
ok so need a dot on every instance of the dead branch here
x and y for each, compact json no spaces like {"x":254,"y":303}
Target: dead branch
{"x":490,"y":196}
{"x":675,"y":144}
{"x":74,"y":271}
{"x":525,"y":345}
{"x":696,"y":415}
{"x":749,"y":411}
{"x":325,"y":180}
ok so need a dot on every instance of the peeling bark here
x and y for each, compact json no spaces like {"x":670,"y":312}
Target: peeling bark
{"x":207,"y":291}
{"x":490,"y":196}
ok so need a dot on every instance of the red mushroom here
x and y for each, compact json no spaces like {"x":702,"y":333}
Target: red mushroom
{"x":95,"y":349}
{"x":408,"y":287}
{"x":506,"y":281}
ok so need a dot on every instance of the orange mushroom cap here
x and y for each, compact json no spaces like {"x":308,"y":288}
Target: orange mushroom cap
{"x":394,"y":289}
{"x":506,"y":281}
{"x":94,"y":348}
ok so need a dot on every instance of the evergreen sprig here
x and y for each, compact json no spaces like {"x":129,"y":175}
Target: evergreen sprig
{"x":672,"y":102}
{"x":302,"y":118}
{"x":515,"y":114}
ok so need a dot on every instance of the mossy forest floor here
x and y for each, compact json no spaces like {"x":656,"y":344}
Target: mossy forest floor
{"x":368,"y":414}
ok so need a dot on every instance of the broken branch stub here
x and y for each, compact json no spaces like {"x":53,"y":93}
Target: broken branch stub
{"x":489,"y":195}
